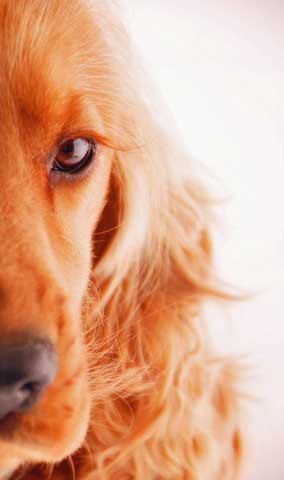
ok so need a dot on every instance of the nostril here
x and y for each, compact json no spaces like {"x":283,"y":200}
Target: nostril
{"x":31,"y":390}
{"x":27,"y":395}
{"x":30,"y":387}
{"x":26,"y":370}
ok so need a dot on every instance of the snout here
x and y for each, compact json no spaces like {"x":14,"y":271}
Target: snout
{"x":27,"y":368}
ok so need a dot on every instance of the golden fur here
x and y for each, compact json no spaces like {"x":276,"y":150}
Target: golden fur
{"x":113,"y":268}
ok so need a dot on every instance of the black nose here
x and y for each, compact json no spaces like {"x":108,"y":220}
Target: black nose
{"x":26,"y":370}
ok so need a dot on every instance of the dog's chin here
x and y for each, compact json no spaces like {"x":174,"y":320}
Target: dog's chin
{"x":10,"y":459}
{"x":8,"y":468}
{"x":8,"y":474}
{"x":17,"y":449}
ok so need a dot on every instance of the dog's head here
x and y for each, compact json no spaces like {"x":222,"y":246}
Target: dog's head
{"x":55,"y":117}
{"x":85,"y":208}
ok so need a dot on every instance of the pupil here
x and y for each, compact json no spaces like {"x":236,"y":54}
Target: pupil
{"x":68,"y":148}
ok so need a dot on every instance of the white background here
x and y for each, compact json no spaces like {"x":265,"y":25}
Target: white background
{"x":220,"y":66}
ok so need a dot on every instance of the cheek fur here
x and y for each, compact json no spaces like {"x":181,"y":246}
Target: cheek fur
{"x":77,"y":214}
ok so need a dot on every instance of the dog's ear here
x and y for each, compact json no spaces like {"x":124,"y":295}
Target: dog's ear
{"x":158,"y":395}
{"x":155,"y":229}
{"x":162,"y":405}
{"x":157,"y":389}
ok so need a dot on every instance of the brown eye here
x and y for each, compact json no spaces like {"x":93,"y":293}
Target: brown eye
{"x":73,"y":155}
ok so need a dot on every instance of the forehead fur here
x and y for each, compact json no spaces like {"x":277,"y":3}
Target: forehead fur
{"x":48,"y":58}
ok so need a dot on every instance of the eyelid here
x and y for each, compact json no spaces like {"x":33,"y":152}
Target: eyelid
{"x":79,"y":133}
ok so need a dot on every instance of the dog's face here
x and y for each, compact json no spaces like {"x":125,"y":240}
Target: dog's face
{"x":54,"y":175}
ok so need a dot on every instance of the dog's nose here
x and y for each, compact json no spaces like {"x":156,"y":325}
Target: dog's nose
{"x":26,"y":370}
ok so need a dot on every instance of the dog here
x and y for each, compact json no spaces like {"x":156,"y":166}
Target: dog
{"x":106,"y":367}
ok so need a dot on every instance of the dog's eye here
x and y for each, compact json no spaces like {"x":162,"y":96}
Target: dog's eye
{"x":73,"y":155}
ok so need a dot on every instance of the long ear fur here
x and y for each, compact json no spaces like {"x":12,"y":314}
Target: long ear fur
{"x":164,"y":407}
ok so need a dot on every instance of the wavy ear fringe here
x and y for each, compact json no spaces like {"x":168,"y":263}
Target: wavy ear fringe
{"x":163,"y":406}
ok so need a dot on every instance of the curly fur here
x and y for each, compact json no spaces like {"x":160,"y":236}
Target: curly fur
{"x":118,"y":266}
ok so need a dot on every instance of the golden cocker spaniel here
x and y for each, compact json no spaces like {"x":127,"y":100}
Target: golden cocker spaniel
{"x":106,"y":368}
